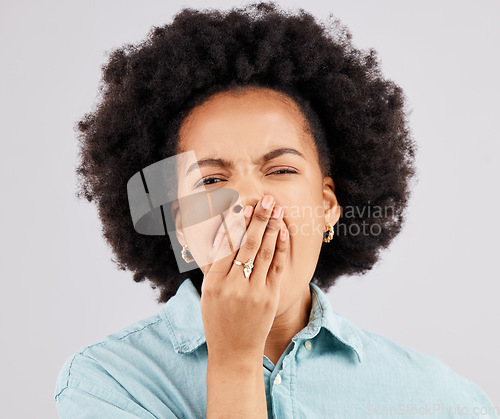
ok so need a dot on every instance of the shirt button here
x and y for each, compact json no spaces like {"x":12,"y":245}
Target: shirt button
{"x":277,"y":380}
{"x":308,"y":345}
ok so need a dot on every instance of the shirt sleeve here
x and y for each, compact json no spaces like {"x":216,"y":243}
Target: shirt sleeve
{"x":88,"y":392}
{"x":79,"y":404}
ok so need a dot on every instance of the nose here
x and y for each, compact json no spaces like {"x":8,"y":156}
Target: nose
{"x":237,"y":208}
{"x":248,"y":195}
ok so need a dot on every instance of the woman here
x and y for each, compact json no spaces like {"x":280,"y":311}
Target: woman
{"x":300,"y":125}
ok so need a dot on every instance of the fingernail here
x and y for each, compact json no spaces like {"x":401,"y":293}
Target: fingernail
{"x":267,"y":202}
{"x":283,"y":234}
{"x":276,"y":212}
{"x":248,"y":211}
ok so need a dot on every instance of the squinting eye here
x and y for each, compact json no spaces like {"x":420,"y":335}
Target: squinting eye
{"x":287,"y":170}
{"x":203,"y":181}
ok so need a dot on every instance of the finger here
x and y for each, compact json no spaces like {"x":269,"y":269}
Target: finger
{"x":227,"y":241}
{"x":275,"y":273}
{"x":265,"y":253}
{"x":228,"y":228}
{"x":247,"y":212}
{"x":255,"y":232}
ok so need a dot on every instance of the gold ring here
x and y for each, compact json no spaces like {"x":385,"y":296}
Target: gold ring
{"x":247,"y":267}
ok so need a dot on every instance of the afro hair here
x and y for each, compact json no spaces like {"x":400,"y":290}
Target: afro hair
{"x":357,"y":119}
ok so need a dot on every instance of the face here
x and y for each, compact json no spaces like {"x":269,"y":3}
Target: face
{"x":240,"y":128}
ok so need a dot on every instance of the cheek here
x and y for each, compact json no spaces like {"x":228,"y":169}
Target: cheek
{"x":305,"y":222}
{"x":198,"y":240}
{"x":199,"y":231}
{"x":305,"y":230}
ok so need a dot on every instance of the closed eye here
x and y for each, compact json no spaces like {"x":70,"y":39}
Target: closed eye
{"x":205,"y":181}
{"x":287,"y":170}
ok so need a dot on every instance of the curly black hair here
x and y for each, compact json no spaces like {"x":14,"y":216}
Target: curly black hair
{"x":356,"y":116}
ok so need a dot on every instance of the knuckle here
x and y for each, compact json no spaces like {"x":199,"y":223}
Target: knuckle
{"x":268,"y":305}
{"x":229,"y":291}
{"x":255,"y":298}
{"x":266,"y":253}
{"x":276,"y":268}
{"x":250,"y":244}
{"x":209,"y":290}
{"x":272,"y":228}
{"x":260,"y":216}
{"x":281,"y":249}
{"x":239,"y":296}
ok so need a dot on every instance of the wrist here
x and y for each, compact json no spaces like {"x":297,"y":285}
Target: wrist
{"x":239,"y":362}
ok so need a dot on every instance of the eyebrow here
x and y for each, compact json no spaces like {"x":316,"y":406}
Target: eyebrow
{"x":210,"y":161}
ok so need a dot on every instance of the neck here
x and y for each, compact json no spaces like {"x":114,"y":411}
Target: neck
{"x":287,"y":325}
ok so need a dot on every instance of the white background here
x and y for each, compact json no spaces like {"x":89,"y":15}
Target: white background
{"x":437,"y":287}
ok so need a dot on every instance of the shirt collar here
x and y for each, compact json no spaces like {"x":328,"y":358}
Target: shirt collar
{"x":322,"y":315}
{"x":182,"y":316}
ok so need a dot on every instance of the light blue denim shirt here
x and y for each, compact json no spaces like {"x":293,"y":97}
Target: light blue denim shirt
{"x":156,"y":368}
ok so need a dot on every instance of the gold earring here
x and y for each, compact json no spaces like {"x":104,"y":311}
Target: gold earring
{"x":330,"y":231}
{"x":184,"y":254}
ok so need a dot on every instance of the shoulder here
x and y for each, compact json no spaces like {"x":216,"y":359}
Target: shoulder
{"x":95,"y":362}
{"x":135,"y":372}
{"x":421,"y":372}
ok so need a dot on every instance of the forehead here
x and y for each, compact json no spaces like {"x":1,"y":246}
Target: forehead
{"x":250,"y":120}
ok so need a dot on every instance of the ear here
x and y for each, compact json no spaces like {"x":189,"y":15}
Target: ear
{"x":331,"y":205}
{"x":176,"y":216}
